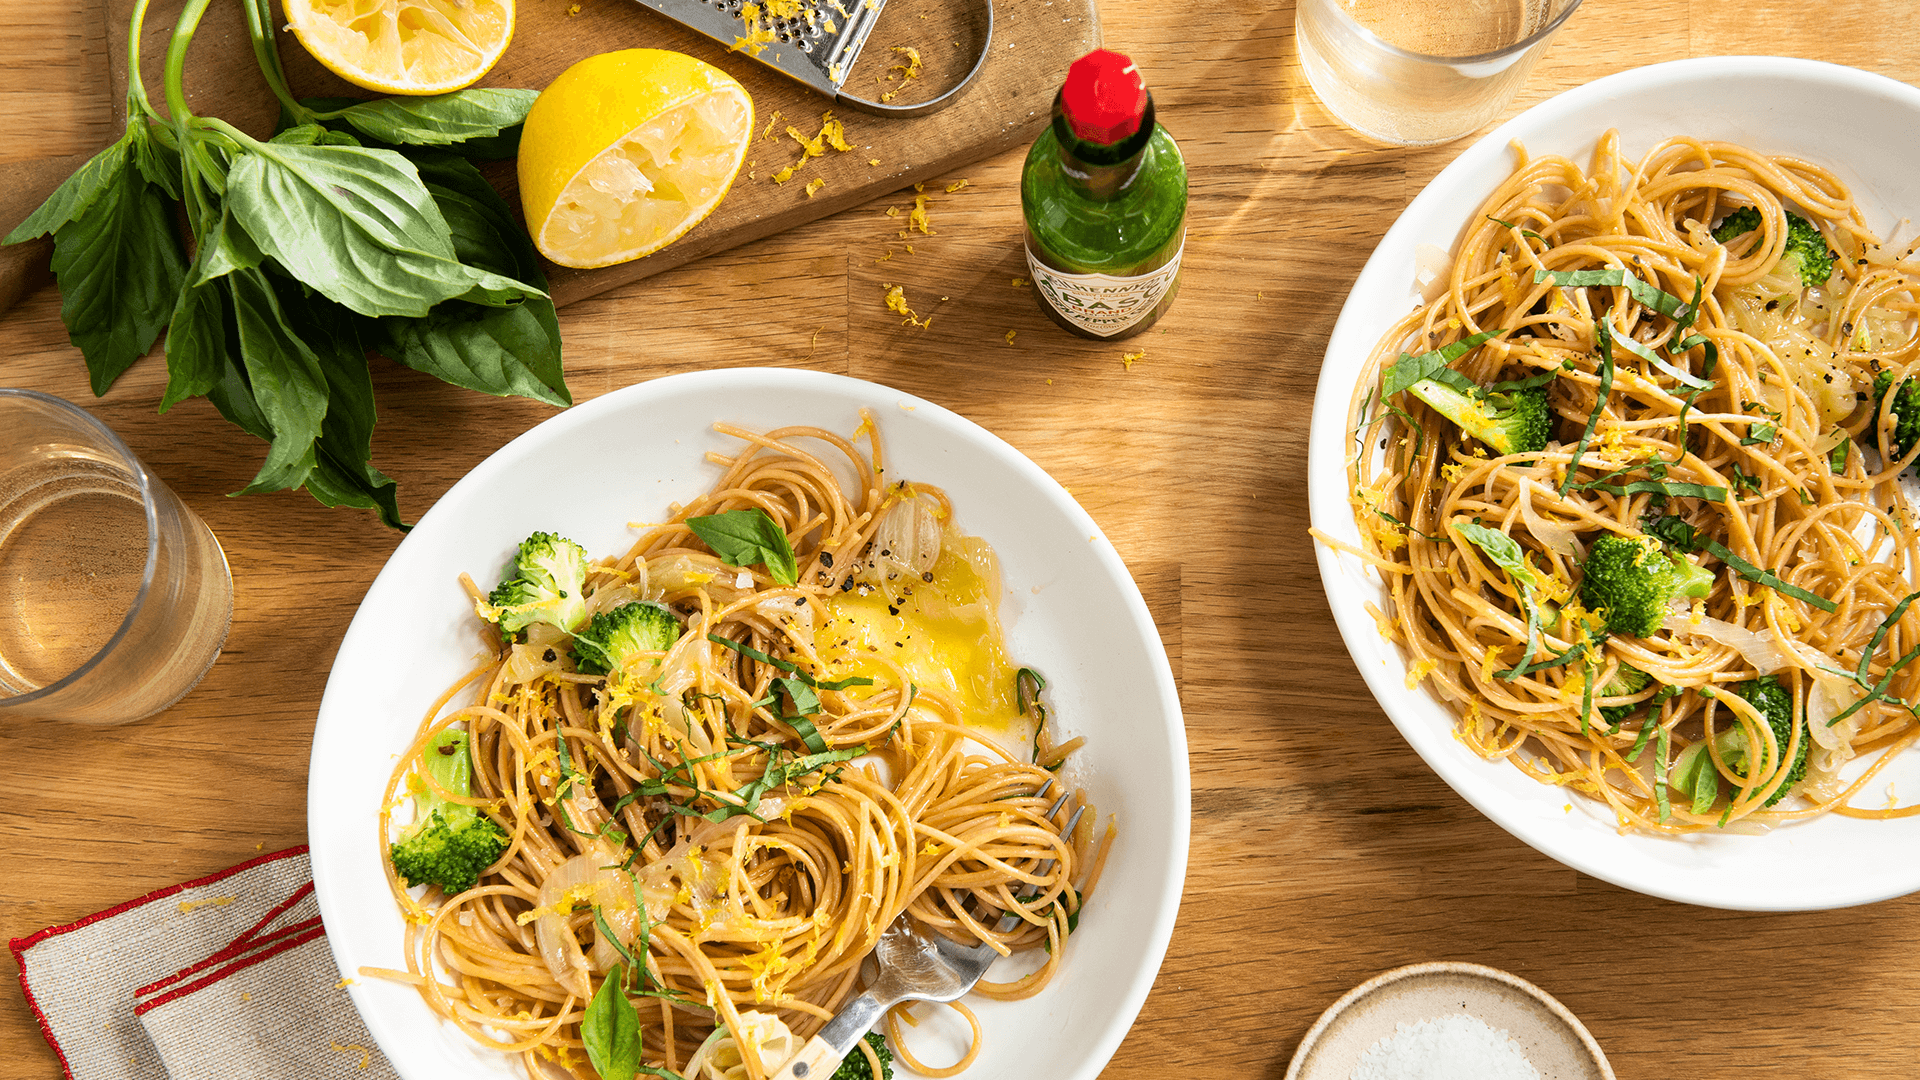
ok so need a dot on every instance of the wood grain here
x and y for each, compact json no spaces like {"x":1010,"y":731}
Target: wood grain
{"x":1324,"y":851}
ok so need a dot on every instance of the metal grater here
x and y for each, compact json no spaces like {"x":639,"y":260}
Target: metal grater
{"x":802,"y":49}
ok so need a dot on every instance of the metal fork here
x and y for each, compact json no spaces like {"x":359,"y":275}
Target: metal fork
{"x":913,"y":967}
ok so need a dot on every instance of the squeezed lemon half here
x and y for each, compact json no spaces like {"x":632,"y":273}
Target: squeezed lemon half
{"x":626,"y":151}
{"x":404,"y":46}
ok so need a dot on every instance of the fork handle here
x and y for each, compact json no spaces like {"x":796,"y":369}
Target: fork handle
{"x":824,"y":1052}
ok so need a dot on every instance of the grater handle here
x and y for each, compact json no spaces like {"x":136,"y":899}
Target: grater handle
{"x":924,"y":108}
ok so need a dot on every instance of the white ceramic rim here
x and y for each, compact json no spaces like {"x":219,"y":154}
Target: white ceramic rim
{"x":1355,"y":336}
{"x":330,"y":854}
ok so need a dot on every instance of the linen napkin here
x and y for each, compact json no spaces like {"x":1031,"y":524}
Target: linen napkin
{"x":225,"y":977}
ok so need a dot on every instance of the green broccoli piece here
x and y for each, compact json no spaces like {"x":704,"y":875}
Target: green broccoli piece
{"x":1631,"y":581}
{"x":1508,"y":421}
{"x":856,"y":1067}
{"x":1906,"y":414}
{"x":611,"y":638}
{"x":1807,"y":249}
{"x":1773,"y":702}
{"x":449,"y":843}
{"x":545,"y":582}
{"x":1627,"y":681}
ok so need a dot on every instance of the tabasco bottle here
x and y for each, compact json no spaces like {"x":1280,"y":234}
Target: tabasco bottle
{"x":1104,"y":194}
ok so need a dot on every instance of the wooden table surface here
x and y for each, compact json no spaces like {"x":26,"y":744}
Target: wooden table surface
{"x":1324,"y":852}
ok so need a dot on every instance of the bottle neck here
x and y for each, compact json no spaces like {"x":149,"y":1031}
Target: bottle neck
{"x":1103,"y":170}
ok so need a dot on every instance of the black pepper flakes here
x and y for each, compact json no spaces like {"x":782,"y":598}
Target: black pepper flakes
{"x":550,"y":656}
{"x":927,"y":576}
{"x":799,"y":601}
{"x":826,"y":559}
{"x":892,"y":610}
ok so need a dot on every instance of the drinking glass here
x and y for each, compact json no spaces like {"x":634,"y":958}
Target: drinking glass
{"x":1422,"y":72}
{"x":114,"y":597}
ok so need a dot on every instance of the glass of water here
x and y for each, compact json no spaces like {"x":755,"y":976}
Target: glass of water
{"x":1421,"y":72}
{"x":114,"y":597}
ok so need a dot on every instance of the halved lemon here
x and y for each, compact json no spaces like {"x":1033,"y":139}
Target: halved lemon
{"x":626,"y":151}
{"x":404,"y":46}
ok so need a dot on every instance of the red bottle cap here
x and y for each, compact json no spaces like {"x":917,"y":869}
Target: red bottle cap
{"x":1104,"y":98}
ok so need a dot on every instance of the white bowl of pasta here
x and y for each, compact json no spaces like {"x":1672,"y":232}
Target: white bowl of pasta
{"x":1745,"y":820}
{"x":595,"y":475}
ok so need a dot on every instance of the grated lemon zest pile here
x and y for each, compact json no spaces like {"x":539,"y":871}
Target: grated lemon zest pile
{"x":873,"y":161}
{"x":1020,"y":283}
{"x":1010,"y":334}
{"x":832,"y":134}
{"x":366,"y":1055}
{"x":897,"y":303}
{"x":1127,"y":360}
{"x":908,"y":70}
{"x":188,"y":907}
{"x":783,"y":9}
{"x":956,"y":185}
{"x":814,"y":185}
{"x":757,"y":37}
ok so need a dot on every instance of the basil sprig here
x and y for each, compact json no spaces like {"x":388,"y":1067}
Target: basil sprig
{"x":611,"y":1029}
{"x":745,"y":537}
{"x":1506,"y":554}
{"x":310,"y":249}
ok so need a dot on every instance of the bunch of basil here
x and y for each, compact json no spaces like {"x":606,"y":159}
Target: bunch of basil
{"x":354,"y":228}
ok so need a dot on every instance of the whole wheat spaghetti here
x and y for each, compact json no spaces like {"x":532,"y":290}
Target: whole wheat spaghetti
{"x":719,"y":832}
{"x":1717,"y":403}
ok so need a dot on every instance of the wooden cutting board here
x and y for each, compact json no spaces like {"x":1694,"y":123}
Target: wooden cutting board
{"x":1033,"y":41}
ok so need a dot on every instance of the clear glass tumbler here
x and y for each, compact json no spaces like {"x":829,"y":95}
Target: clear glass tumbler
{"x":1422,"y":72}
{"x":114,"y":597}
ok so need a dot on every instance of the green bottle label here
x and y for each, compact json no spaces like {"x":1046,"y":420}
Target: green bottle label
{"x":1102,"y":304}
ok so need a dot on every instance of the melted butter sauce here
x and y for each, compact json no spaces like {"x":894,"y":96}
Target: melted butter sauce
{"x":944,"y":633}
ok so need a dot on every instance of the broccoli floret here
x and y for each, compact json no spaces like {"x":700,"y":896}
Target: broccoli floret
{"x":1807,"y":249}
{"x":1627,"y":681}
{"x":856,"y":1067}
{"x":611,"y":638}
{"x":1773,"y":702}
{"x":1906,"y":414}
{"x":1631,"y":581}
{"x":449,"y":843}
{"x":545,"y":582}
{"x":1509,"y":422}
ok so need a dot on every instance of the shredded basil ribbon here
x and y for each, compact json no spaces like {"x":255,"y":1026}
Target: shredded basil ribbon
{"x":1603,"y":337}
{"x":1663,"y":302}
{"x":1411,"y":369}
{"x":1766,"y":577}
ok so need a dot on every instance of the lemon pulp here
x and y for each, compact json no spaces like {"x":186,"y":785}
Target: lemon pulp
{"x":404,"y":46}
{"x":944,"y":634}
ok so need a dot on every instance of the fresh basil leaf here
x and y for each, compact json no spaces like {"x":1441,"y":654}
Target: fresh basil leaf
{"x":76,"y":194}
{"x":611,"y":1029}
{"x":199,"y":342}
{"x":158,"y":162}
{"x":225,"y":248}
{"x":1499,"y":547}
{"x":458,"y":117}
{"x":504,"y":351}
{"x":357,"y":225}
{"x":313,"y":135}
{"x":1511,"y":225}
{"x":1411,"y":369}
{"x":1767,"y":577}
{"x":119,"y":262}
{"x":746,"y":537}
{"x":1837,"y":457}
{"x":286,"y":382}
{"x":1027,"y":686}
{"x":1603,"y":337}
{"x":343,"y":474}
{"x":1674,"y":372}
